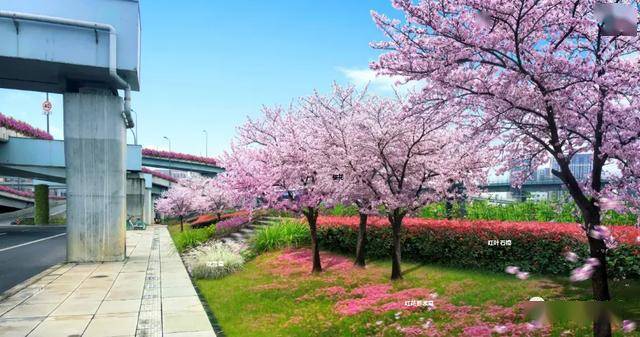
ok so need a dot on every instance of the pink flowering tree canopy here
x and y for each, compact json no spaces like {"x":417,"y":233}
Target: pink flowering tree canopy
{"x":178,"y":201}
{"x":209,"y":195}
{"x":283,"y":157}
{"x":541,"y":78}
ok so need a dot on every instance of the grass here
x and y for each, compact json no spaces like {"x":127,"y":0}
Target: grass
{"x":285,"y":233}
{"x":274,"y":297}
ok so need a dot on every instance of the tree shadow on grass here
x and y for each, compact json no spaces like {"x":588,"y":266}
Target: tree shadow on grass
{"x":412,"y":269}
{"x":624,"y":294}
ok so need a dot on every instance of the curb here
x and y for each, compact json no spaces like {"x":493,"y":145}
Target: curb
{"x":34,"y":226}
{"x":33,"y":279}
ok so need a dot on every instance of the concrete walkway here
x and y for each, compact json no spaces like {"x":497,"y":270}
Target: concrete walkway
{"x":149,"y":294}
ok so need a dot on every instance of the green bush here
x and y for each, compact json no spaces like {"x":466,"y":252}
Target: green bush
{"x":193,"y":237}
{"x":548,"y":211}
{"x":343,"y":210}
{"x":286,"y":233}
{"x":218,"y":261}
{"x":41,"y":216}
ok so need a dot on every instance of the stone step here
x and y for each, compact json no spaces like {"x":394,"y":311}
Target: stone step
{"x":246,"y":230}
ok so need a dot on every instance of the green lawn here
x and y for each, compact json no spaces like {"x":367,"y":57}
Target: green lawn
{"x":275,"y":295}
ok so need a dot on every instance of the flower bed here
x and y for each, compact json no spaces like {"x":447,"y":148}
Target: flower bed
{"x":207,"y":219}
{"x":23,"y":128}
{"x":26,"y":194}
{"x":231,"y":225}
{"x":178,"y":156}
{"x":536,"y":247}
{"x":159,"y":175}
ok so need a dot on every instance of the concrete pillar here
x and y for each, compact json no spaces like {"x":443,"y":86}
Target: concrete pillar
{"x":135,"y":196}
{"x":139,"y":202}
{"x":41,"y":216}
{"x":148,"y":214}
{"x":94,"y":147}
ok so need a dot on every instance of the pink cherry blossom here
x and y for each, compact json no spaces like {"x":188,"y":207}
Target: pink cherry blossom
{"x":581,"y":273}
{"x":571,"y":256}
{"x":628,"y":326}
{"x":512,"y":270}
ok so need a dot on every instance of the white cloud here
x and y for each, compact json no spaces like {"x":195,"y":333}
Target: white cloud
{"x":379,"y":84}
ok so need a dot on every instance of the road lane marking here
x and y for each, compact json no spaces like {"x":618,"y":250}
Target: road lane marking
{"x":34,"y":241}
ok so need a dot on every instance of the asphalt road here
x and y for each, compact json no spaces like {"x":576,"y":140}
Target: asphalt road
{"x":26,"y":251}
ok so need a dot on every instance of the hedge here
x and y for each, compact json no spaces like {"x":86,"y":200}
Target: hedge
{"x":41,"y":200}
{"x":536,"y":247}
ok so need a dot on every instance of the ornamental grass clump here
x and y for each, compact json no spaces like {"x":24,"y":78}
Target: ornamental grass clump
{"x":286,"y":233}
{"x":216,"y":262}
{"x":193,"y":237}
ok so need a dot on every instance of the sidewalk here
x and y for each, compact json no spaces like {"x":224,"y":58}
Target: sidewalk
{"x":149,"y":294}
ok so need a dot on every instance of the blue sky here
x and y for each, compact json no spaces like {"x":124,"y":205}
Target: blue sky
{"x":210,"y":64}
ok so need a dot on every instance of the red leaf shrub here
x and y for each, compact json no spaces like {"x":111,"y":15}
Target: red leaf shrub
{"x":25,"y":194}
{"x":536,"y":247}
{"x":207,"y":219}
{"x":624,"y":234}
{"x":178,"y":156}
{"x":159,"y":175}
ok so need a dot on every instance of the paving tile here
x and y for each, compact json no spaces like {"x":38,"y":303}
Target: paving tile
{"x":61,"y":326}
{"x":47,"y":296}
{"x":112,"y":325}
{"x":177,"y":305}
{"x":76,"y":307}
{"x":11,"y":327}
{"x":178,"y":292}
{"x":197,"y":321}
{"x":31,"y":310}
{"x":122,"y":306}
{"x":7,"y":305}
{"x":104,"y":299}
{"x":124,"y":294}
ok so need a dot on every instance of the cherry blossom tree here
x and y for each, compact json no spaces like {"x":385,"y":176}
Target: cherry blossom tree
{"x":178,"y":201}
{"x":416,"y":153}
{"x":277,"y":162}
{"x":334,"y":119}
{"x":211,"y":197}
{"x":542,"y":78}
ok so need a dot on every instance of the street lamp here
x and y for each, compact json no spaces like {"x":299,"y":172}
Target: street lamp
{"x":206,"y":143}
{"x":168,"y":140}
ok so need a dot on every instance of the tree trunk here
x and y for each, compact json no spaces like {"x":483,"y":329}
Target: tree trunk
{"x":396,"y":225}
{"x":362,"y":241}
{"x":181,"y":224}
{"x":448,"y":209}
{"x":599,"y":279}
{"x":602,"y":323}
{"x":219,"y":216}
{"x":312,"y":217}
